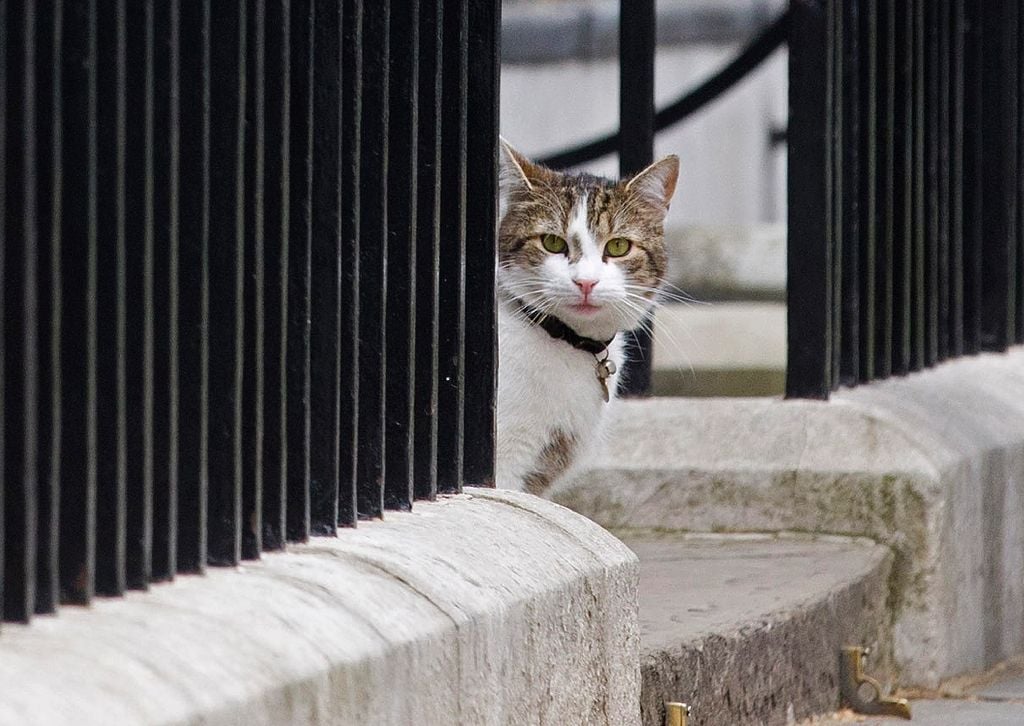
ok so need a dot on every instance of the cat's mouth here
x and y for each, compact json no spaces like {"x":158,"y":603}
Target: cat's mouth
{"x":585,"y":308}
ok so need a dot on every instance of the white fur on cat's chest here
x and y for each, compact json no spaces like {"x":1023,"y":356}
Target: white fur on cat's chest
{"x":545,"y":386}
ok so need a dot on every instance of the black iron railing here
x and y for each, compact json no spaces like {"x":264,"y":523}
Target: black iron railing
{"x":238,"y":239}
{"x":906,"y":243}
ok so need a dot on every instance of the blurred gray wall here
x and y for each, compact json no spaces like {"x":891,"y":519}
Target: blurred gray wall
{"x":559,"y":86}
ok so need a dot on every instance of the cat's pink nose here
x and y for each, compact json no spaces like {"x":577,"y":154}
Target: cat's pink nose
{"x":585,"y":286}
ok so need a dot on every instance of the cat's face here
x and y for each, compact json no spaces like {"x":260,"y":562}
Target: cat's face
{"x":587,"y":250}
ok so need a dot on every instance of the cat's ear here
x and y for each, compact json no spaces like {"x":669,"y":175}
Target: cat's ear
{"x":516,"y":171}
{"x":656,"y":183}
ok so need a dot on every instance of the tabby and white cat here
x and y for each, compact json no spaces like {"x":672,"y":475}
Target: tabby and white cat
{"x":581,"y":260}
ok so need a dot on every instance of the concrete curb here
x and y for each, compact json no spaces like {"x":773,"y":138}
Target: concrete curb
{"x":931,"y":465}
{"x":483,"y":608}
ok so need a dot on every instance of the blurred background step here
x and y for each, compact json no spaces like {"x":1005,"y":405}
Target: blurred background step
{"x":747,"y":628}
{"x":720,"y":349}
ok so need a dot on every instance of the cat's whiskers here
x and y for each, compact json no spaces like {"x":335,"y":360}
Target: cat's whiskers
{"x":681,"y":294}
{"x":660,"y":294}
{"x":663,"y":335}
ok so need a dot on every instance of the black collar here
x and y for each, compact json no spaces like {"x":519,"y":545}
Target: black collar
{"x":560,"y":331}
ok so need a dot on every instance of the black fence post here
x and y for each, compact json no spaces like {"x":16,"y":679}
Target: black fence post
{"x":110,"y":300}
{"x":226,"y":261}
{"x":193,"y":282}
{"x":325,"y":352}
{"x":20,"y":322}
{"x":428,"y":246}
{"x":300,"y":177}
{"x":3,"y":303}
{"x":451,"y":291}
{"x":276,"y":234}
{"x":809,"y":269}
{"x":401,"y":250}
{"x":373,"y":225}
{"x":351,"y":136}
{"x":999,"y":177}
{"x":637,"y":43}
{"x":254,"y":366}
{"x":139,"y":270}
{"x":481,"y":244}
{"x":165,"y":161}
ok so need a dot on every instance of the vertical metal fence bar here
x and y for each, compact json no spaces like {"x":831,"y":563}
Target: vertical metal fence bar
{"x":1014,"y":222}
{"x":999,"y":133}
{"x":903,"y":188}
{"x":481,"y":242}
{"x":401,"y":254}
{"x":20,"y":318}
{"x":110,"y":300}
{"x":77,"y":549}
{"x":637,"y":27}
{"x":138,"y":332}
{"x":972,"y":175}
{"x":932,"y":188}
{"x":885,"y":222}
{"x":193,"y":282}
{"x":276,"y":228}
{"x":920,"y":232}
{"x":809,"y":260}
{"x":48,"y":65}
{"x":254,"y":354}
{"x":351,"y":104}
{"x":1018,"y":270}
{"x":868,"y":165}
{"x":351,"y":109}
{"x":30,"y":321}
{"x":956,"y":198}
{"x":300,"y":177}
{"x":325,"y":272}
{"x":850,"y":200}
{"x":164,"y":53}
{"x":837,"y":180}
{"x":942,"y":294}
{"x":373,"y":221}
{"x":428,"y":253}
{"x":451,"y":291}
{"x":226,"y":260}
{"x":3,"y":303}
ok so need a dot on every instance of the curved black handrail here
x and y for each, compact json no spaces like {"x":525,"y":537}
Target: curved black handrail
{"x":763,"y":45}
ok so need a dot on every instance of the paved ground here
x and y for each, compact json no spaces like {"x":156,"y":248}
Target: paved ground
{"x":999,"y":701}
{"x":941,"y":713}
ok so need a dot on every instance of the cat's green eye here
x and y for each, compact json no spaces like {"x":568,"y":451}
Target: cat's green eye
{"x":554,"y":244}
{"x":618,"y":247}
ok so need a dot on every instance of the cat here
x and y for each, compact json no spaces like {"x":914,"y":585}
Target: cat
{"x":580,"y":262}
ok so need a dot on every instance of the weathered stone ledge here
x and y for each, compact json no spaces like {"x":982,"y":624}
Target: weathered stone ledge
{"x":931,"y":465}
{"x":484,"y":608}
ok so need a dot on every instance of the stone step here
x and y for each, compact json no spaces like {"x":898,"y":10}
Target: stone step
{"x":747,"y":628}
